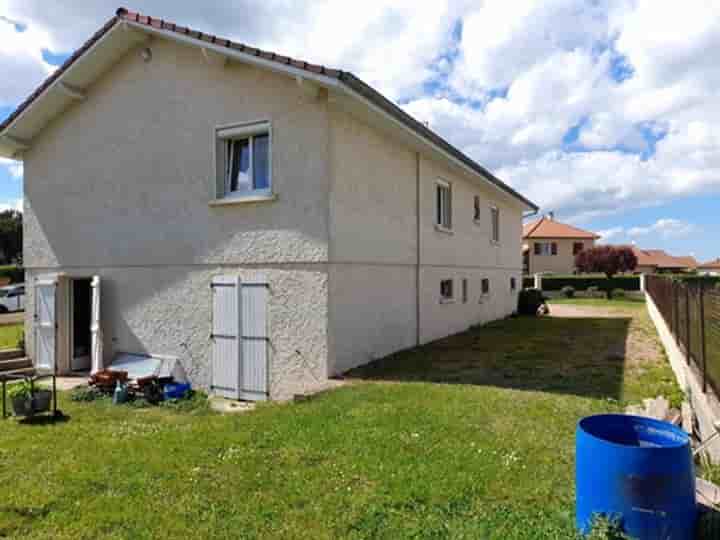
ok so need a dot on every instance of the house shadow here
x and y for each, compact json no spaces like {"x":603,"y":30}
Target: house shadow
{"x":577,"y":356}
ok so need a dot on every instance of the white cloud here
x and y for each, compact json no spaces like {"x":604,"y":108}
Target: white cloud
{"x":15,"y":168}
{"x":11,"y":204}
{"x":665,"y":228}
{"x":607,"y":235}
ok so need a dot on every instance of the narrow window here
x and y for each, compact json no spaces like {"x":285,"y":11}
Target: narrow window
{"x":446,"y":290}
{"x":554,"y":248}
{"x":464,"y":291}
{"x":444,"y":205}
{"x":577,"y":247}
{"x":538,"y":248}
{"x":495,"y":223}
{"x":485,"y":286}
{"x":513,"y":284}
{"x":245,"y":152}
{"x":476,"y":210}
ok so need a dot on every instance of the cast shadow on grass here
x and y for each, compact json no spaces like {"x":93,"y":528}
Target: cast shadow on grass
{"x":578,"y":356}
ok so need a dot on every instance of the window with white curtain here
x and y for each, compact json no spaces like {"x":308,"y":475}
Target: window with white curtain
{"x":244,"y":167}
{"x":443,"y":218}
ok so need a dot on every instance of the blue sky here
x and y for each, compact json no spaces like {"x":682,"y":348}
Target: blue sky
{"x":603,"y":112}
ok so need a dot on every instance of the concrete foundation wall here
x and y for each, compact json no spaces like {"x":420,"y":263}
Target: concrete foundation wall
{"x":168,"y":310}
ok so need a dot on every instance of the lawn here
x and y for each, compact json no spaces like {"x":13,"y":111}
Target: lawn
{"x":468,"y":437}
{"x":10,"y":335}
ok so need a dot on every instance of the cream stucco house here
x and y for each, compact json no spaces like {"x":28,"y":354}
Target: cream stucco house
{"x":550,"y":246}
{"x":268,"y":222}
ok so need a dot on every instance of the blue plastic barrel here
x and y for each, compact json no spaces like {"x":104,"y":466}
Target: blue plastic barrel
{"x":638,"y":471}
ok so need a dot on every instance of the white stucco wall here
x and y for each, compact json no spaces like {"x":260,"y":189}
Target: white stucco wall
{"x":168,"y":311}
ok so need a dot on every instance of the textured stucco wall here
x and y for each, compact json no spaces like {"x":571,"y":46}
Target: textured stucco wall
{"x":125,"y":176}
{"x":563,"y":262}
{"x":168,"y":310}
{"x":373,"y":247}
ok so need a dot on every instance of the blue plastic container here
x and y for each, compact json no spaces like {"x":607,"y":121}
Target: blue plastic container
{"x":636,"y":470}
{"x":176,"y":390}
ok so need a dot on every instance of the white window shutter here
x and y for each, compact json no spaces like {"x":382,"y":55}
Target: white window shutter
{"x":255,"y":338}
{"x":226,"y":349}
{"x":45,"y":324}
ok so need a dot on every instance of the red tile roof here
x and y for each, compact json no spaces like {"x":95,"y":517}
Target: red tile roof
{"x":549,"y":228}
{"x":661,"y":259}
{"x":347,"y":78}
{"x":714,"y":265}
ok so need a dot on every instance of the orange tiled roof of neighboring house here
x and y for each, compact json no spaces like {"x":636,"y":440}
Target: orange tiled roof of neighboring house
{"x":713,"y":265}
{"x":546,"y":227}
{"x":661,"y":259}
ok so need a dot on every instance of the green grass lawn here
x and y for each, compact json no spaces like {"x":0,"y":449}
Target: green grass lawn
{"x":468,"y":437}
{"x":10,"y":335}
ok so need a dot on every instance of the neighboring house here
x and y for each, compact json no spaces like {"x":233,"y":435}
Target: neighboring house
{"x":551,"y":246}
{"x":269,"y":222}
{"x":652,"y":261}
{"x":710,"y":268}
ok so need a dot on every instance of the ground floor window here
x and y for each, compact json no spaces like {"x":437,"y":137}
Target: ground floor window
{"x":446,"y":290}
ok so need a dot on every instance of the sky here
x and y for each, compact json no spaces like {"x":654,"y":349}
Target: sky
{"x":605,"y":112}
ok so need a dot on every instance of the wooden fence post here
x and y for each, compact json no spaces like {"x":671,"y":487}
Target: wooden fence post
{"x":703,"y":340}
{"x":688,"y":352}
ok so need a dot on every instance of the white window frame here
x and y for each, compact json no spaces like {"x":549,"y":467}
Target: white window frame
{"x":447,"y":299}
{"x":223,"y":135}
{"x":443,"y":213}
{"x":495,"y":224}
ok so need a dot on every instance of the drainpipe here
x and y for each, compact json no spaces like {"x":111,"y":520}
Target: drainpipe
{"x":417,"y":248}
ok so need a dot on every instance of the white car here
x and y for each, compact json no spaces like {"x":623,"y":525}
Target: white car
{"x":12,"y":298}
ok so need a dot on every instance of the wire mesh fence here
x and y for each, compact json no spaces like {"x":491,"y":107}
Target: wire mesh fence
{"x":691,"y":310}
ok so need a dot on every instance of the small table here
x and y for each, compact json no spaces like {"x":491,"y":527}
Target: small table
{"x":32,"y":378}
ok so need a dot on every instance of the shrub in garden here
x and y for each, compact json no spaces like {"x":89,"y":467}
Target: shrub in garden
{"x":593,"y":291}
{"x":609,"y":260}
{"x":568,"y":291}
{"x":618,"y":293}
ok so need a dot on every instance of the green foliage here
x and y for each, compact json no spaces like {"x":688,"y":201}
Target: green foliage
{"x":11,"y":239}
{"x":604,"y":528}
{"x":568,"y":291}
{"x":21,"y":389}
{"x":528,"y":282}
{"x":12,"y":336}
{"x":14,"y":273}
{"x":529,"y":300}
{"x":84,"y":394}
{"x":618,"y":293}
{"x":582,"y":283}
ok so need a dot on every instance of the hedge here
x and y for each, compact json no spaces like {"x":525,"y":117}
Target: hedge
{"x":15,"y":274}
{"x":528,"y":282}
{"x":581,"y":283}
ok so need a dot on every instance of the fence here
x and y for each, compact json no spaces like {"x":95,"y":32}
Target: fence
{"x":691,"y":310}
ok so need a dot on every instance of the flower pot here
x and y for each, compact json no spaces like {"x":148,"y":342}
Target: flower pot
{"x":27,"y":406}
{"x":22,"y":406}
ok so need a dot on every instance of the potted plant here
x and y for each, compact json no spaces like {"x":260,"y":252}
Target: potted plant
{"x":26,"y":401}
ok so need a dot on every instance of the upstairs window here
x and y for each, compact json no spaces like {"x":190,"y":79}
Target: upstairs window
{"x":578,"y":247}
{"x":545,"y":248}
{"x":443,"y":218}
{"x":244,"y":167}
{"x":476,"y":209}
{"x":495,"y":223}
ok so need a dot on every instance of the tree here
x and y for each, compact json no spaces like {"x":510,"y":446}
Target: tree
{"x":609,"y":260}
{"x":11,"y":235}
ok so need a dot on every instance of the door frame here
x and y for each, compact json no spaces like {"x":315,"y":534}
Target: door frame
{"x":70,"y":318}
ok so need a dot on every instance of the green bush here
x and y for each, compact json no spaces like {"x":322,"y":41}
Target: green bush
{"x":14,"y":273}
{"x":529,"y":300}
{"x":528,"y":282}
{"x":583,"y":283}
{"x":618,"y":293}
{"x":593,"y":291}
{"x":568,"y":291}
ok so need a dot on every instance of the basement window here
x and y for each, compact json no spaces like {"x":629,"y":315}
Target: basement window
{"x":243,"y":162}
{"x":485,"y":286}
{"x":464,"y":291}
{"x":446,"y":291}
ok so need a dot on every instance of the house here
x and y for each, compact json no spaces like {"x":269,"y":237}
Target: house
{"x":551,"y":246}
{"x":268,"y":222}
{"x":710,"y":268}
{"x":652,"y":261}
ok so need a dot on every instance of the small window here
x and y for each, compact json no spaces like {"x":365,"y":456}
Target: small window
{"x":485,"y":286}
{"x":446,"y":290}
{"x":513,"y":283}
{"x":545,"y":248}
{"x":444,"y":205}
{"x":476,"y":209}
{"x":495,"y":223}
{"x":244,"y":160}
{"x":464,"y":291}
{"x":553,"y":248}
{"x":578,"y":247}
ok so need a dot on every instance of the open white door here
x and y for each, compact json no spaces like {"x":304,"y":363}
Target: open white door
{"x":45,"y":324}
{"x":96,"y":338}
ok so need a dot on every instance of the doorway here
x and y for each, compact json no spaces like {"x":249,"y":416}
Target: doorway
{"x":80,"y":323}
